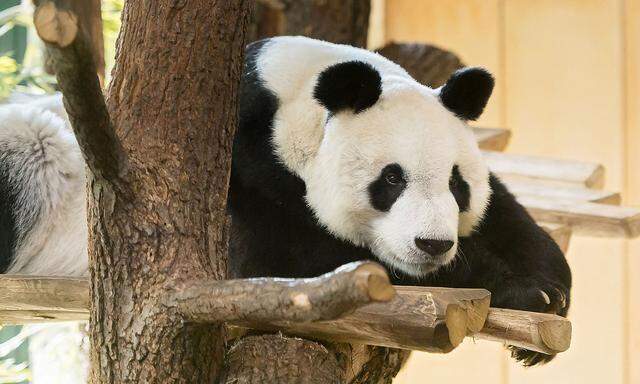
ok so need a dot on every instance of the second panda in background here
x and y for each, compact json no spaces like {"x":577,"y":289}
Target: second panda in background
{"x":341,"y":156}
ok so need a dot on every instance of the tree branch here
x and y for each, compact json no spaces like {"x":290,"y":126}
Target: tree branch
{"x":75,"y":70}
{"x":285,"y":300}
{"x":540,"y":332}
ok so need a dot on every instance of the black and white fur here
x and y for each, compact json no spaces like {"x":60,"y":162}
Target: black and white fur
{"x":339,"y":156}
{"x":43,"y":228}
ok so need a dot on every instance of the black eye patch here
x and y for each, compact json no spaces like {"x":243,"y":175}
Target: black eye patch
{"x":386,"y":189}
{"x":460,"y":189}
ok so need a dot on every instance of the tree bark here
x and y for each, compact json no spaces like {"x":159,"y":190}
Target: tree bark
{"x":161,"y":221}
{"x":337,"y":21}
{"x":90,"y":17}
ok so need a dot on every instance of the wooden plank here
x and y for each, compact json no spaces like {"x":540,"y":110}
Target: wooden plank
{"x":560,"y":233}
{"x":44,"y":294}
{"x":564,"y":172}
{"x":492,"y":139}
{"x":586,"y":218}
{"x":561,"y":192}
{"x":541,"y":332}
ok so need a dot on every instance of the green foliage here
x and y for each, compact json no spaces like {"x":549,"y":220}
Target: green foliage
{"x":111,"y":10}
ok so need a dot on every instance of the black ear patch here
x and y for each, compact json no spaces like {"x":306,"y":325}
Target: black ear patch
{"x":467,"y":92}
{"x":351,"y":85}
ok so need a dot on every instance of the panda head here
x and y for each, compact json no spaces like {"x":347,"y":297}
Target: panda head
{"x":396,"y":168}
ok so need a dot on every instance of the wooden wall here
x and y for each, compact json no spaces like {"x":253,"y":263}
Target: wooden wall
{"x":568,"y":86}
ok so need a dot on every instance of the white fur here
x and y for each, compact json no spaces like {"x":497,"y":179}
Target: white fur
{"x":339,"y":157}
{"x":47,"y":165}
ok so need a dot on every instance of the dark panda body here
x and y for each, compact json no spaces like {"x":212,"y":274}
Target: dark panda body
{"x":276,"y":233}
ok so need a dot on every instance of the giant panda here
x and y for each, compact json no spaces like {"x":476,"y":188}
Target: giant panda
{"x":339,"y":156}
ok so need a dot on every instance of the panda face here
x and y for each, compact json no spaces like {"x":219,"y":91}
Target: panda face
{"x":388,"y":164}
{"x":392,"y":178}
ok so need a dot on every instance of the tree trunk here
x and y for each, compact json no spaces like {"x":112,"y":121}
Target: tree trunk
{"x":337,"y":21}
{"x":160,"y":219}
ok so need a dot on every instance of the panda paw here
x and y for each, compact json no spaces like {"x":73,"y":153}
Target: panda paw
{"x":534,"y":295}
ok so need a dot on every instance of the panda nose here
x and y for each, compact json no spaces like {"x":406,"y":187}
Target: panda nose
{"x":432,"y":246}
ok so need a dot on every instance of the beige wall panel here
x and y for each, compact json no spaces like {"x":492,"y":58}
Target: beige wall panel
{"x":632,"y":195}
{"x":563,"y":74}
{"x":471,"y":362}
{"x":469,"y":28}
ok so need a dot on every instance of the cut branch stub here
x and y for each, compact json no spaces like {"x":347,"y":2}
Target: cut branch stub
{"x":55,"y":26}
{"x":265,"y":300}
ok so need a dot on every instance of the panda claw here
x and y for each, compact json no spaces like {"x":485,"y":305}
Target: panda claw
{"x":545,"y":296}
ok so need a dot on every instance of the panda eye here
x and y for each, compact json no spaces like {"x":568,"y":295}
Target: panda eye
{"x":393,"y":178}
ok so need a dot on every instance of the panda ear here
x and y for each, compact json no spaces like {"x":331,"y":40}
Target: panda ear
{"x":467,"y":92}
{"x":353,"y":85}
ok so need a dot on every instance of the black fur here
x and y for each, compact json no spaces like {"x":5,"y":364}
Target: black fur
{"x":382,"y":193}
{"x":274,"y":233}
{"x":467,"y":92}
{"x":8,"y":233}
{"x":460,"y":189}
{"x":351,"y":85}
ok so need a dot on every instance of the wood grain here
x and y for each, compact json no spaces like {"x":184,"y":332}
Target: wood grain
{"x":568,"y":193}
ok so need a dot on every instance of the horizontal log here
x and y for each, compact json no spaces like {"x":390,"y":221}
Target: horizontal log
{"x":567,"y":193}
{"x":44,"y":294}
{"x":586,"y":218}
{"x":418,"y":318}
{"x":541,"y":332}
{"x":554,"y":171}
{"x":492,"y":139}
{"x":325,"y":297}
{"x":560,"y":233}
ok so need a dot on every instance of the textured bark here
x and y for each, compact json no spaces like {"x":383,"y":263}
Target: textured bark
{"x":337,"y":21}
{"x":70,"y":52}
{"x":89,"y":15}
{"x":426,"y":63}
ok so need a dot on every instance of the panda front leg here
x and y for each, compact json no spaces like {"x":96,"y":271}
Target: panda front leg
{"x":518,"y":262}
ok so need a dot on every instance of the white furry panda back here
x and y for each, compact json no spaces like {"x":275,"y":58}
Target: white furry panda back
{"x":44,"y":189}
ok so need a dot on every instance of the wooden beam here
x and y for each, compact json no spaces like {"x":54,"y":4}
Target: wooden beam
{"x":539,"y":332}
{"x":554,"y":171}
{"x":586,"y":218}
{"x":560,"y":233}
{"x":418,"y":318}
{"x":492,"y":139}
{"x":568,"y":193}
